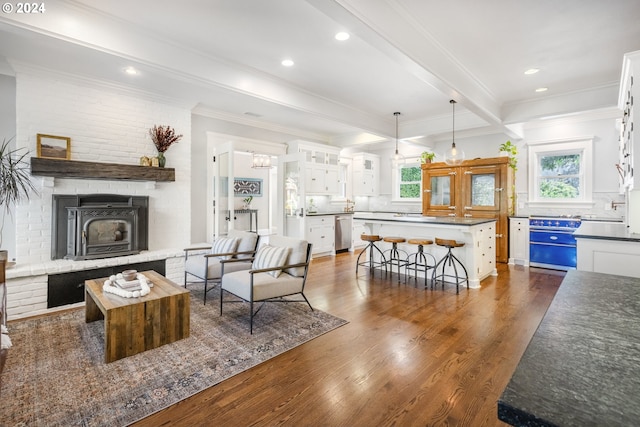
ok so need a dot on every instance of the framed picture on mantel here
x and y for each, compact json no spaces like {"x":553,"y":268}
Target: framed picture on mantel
{"x":54,"y":147}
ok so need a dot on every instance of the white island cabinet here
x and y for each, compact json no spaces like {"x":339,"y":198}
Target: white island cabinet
{"x":479,"y":236}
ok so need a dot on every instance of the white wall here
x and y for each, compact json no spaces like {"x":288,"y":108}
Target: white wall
{"x":8,"y":131}
{"x":105,"y":124}
{"x":600,"y":125}
{"x":602,"y":128}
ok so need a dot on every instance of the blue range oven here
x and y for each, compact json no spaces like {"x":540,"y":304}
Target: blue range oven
{"x":551,"y":242}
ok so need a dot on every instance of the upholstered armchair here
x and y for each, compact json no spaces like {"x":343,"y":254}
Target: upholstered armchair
{"x":279,"y":269}
{"x":207,"y":266}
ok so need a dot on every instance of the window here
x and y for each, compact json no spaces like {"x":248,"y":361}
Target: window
{"x":559,"y":176}
{"x":560,"y":172}
{"x":408,"y":182}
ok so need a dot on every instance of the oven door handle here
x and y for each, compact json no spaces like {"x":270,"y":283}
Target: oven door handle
{"x":547,"y":231}
{"x":562,"y":245}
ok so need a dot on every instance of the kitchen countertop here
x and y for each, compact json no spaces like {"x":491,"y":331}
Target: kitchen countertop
{"x":328,"y":213}
{"x":582,"y":219}
{"x":581,"y":366}
{"x":390,"y":217}
{"x":606,"y":231}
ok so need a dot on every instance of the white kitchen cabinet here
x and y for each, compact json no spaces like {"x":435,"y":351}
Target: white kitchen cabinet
{"x":357,"y":229}
{"x":629,"y":152}
{"x":321,"y":233}
{"x":616,"y":257}
{"x":485,"y":249}
{"x":519,"y":241}
{"x":322,"y":170}
{"x":366,"y":174}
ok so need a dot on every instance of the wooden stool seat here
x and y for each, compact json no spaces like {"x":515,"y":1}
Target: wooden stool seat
{"x":371,"y":263}
{"x":449,"y":243}
{"x":423,"y":242}
{"x":419,"y":261}
{"x":393,"y":255}
{"x":451,"y":261}
{"x":394,"y":239}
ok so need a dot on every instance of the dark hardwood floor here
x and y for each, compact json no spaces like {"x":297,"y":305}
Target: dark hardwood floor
{"x":407,"y":357}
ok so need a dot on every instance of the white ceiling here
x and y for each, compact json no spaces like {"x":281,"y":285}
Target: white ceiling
{"x":222,"y":58}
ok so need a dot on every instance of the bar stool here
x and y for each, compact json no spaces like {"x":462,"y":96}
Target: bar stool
{"x":371,"y":246}
{"x":420,"y":260}
{"x":451,"y":260}
{"x":393,"y":255}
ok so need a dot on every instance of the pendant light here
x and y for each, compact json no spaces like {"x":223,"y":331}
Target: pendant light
{"x":397,"y":157}
{"x":261,"y":161}
{"x":453,"y":156}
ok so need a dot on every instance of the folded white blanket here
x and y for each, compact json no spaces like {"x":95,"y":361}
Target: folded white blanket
{"x":5,"y":342}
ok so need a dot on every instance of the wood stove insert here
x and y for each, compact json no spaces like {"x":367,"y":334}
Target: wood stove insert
{"x":98,"y":226}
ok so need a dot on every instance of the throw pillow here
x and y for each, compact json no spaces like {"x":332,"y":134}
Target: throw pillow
{"x":270,"y":256}
{"x":224,"y":245}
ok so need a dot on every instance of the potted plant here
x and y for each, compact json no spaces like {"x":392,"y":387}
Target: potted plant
{"x":15,"y":178}
{"x":427,"y":157}
{"x":247,"y":202}
{"x":510,"y":150}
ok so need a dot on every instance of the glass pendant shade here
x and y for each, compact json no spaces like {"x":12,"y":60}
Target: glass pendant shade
{"x":261,"y":161}
{"x":397,"y":157}
{"x":454,"y":155}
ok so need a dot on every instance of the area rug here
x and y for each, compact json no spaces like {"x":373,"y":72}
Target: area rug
{"x":55,"y":374}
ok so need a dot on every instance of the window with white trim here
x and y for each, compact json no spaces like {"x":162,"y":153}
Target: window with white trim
{"x":408,"y":182}
{"x":561,"y":171}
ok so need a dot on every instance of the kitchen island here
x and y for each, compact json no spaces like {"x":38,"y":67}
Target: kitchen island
{"x":606,"y":247}
{"x":478,"y":254}
{"x":581,"y":366}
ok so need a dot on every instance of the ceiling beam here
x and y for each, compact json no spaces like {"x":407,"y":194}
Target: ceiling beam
{"x":387,"y":26}
{"x":87,"y":27}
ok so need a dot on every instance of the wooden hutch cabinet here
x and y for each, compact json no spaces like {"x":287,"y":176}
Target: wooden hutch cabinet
{"x":479,"y":188}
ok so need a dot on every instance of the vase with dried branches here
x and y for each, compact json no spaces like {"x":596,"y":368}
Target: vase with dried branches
{"x":163,"y":137}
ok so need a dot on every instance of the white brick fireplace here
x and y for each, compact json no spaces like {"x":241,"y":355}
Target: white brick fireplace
{"x":106,"y":124}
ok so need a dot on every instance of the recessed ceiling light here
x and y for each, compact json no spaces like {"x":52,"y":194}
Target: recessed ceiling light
{"x":342,"y":36}
{"x":131,"y":71}
{"x":287,"y":62}
{"x":531,"y":71}
{"x":542,"y":89}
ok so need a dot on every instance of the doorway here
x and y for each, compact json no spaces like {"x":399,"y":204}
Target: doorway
{"x":240,"y":196}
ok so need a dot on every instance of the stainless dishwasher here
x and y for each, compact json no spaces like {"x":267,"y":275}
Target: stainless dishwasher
{"x":343,"y":232}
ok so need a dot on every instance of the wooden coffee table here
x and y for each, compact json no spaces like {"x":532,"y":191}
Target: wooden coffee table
{"x":134,"y":325}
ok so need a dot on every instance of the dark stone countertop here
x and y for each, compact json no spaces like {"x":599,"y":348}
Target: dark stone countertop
{"x":328,"y":213}
{"x":419,"y":219}
{"x":581,"y":366}
{"x":606,"y":231}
